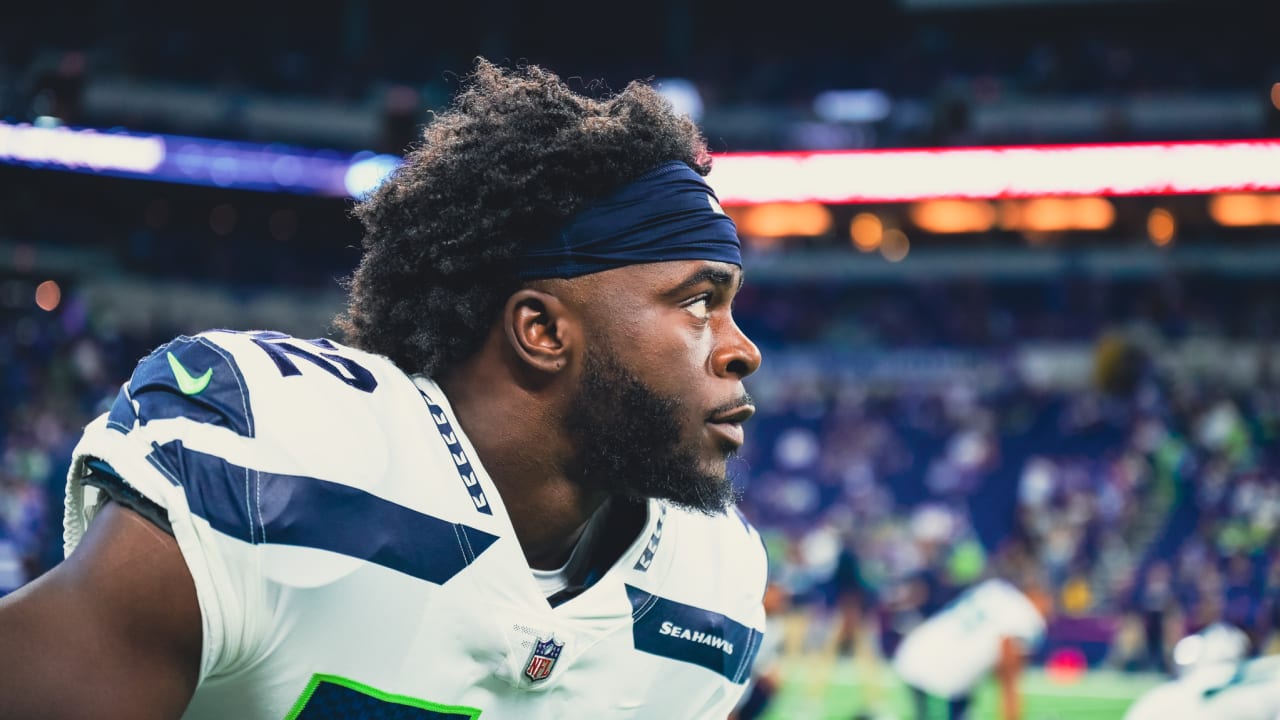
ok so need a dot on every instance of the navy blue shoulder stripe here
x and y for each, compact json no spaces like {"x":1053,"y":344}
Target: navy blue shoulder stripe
{"x":691,"y":634}
{"x":211,"y":390}
{"x":651,"y":548}
{"x":261,"y":507}
{"x":459,"y":455}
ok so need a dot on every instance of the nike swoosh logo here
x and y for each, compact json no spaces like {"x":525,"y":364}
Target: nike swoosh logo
{"x":187,"y":383}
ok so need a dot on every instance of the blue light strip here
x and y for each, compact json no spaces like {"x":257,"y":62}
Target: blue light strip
{"x":195,"y":161}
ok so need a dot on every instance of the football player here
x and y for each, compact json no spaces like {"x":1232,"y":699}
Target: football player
{"x":1215,"y":681}
{"x":506,"y":496}
{"x":987,"y":628}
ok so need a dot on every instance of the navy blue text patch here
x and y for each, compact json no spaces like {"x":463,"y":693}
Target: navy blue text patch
{"x":690,"y":634}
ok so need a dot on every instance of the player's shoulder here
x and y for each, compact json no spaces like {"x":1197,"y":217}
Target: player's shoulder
{"x":722,"y":552}
{"x":727,"y":534}
{"x":267,"y":401}
{"x":259,"y":352}
{"x":253,"y":351}
{"x":225,"y":371}
{"x":1168,"y":701}
{"x":700,"y":599}
{"x":1001,"y":595}
{"x":227,"y":413}
{"x":1261,"y":669}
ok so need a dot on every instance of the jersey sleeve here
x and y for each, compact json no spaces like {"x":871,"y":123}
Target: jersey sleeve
{"x":748,"y":566}
{"x":164,"y":437}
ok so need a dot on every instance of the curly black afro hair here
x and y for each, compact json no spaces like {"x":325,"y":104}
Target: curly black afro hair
{"x":516,"y":155}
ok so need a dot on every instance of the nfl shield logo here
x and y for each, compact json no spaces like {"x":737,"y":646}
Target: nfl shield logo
{"x":543,"y":659}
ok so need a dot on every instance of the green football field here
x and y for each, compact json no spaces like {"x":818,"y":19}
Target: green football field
{"x":814,"y":689}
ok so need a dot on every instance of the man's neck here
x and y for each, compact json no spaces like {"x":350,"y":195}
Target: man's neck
{"x":525,"y":460}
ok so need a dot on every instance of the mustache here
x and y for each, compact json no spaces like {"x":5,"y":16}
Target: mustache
{"x":743,"y":399}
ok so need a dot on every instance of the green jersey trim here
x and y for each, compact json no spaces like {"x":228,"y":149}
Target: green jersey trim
{"x":453,"y":711}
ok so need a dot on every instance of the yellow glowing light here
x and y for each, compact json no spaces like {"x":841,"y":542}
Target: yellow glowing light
{"x":953,"y":216}
{"x":1056,"y":214}
{"x":1009,"y":215}
{"x":1275,"y":95}
{"x":895,"y":245}
{"x":867,"y":231}
{"x":775,"y":220}
{"x":1047,"y":214}
{"x":48,"y":295}
{"x":1245,"y":209}
{"x":1161,"y":226}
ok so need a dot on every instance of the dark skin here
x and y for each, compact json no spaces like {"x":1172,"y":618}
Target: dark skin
{"x":115,"y":631}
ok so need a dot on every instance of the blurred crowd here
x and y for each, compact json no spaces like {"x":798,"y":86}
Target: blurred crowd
{"x":915,"y":450}
{"x":1156,"y":509}
{"x":1141,"y":495}
{"x":59,"y":371}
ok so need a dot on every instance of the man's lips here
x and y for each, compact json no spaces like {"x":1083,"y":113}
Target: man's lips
{"x":728,"y":424}
{"x":735,"y":415}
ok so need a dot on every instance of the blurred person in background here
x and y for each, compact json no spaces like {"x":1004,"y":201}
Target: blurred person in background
{"x":509,"y":495}
{"x":988,"y":629}
{"x":766,"y":677}
{"x":1160,"y":611}
{"x":1269,"y":630}
{"x":1215,"y":681}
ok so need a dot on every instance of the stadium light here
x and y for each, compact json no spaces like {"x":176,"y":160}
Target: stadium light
{"x":1111,"y":170}
{"x":829,"y":177}
{"x":867,"y":231}
{"x":179,"y":159}
{"x":83,"y":150}
{"x":852,"y":106}
{"x":1161,"y":226}
{"x":1245,"y":209}
{"x":777,"y":220}
{"x":953,"y":216}
{"x":683,"y":95}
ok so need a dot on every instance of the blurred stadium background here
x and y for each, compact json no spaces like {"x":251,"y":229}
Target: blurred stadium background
{"x":1060,"y":361}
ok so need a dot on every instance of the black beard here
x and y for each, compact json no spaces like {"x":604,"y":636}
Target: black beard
{"x":628,"y":442}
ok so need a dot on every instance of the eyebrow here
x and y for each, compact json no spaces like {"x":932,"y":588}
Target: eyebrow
{"x":714,"y":275}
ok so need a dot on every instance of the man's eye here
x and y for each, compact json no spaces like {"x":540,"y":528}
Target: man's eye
{"x":699,"y":308}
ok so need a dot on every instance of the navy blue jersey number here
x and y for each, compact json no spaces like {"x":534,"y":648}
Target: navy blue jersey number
{"x":282,"y":350}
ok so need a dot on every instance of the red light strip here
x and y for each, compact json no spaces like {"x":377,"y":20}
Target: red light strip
{"x":1113,"y":170}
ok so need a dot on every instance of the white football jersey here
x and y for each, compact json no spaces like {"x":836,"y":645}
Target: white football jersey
{"x":1247,"y":690}
{"x":951,"y":652}
{"x":352,"y":558}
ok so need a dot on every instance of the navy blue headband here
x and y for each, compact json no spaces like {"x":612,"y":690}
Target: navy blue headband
{"x":669,"y":213}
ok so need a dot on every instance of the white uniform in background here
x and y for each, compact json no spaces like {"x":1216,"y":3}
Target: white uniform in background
{"x":1245,"y":690}
{"x":352,"y":558}
{"x":948,"y":654}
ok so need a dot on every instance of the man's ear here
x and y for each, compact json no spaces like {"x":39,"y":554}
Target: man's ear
{"x":541,"y":329}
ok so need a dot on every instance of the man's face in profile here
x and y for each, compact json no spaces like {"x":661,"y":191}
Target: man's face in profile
{"x":660,"y":404}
